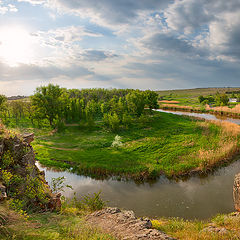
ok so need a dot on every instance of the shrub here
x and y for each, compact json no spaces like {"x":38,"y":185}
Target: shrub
{"x":117,"y":141}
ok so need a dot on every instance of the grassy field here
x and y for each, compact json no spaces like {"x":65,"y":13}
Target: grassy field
{"x":228,"y":224}
{"x":189,"y":97}
{"x":164,"y":144}
{"x":69,"y":224}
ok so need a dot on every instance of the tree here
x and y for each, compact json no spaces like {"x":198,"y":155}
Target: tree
{"x":114,"y":122}
{"x":151,"y":99}
{"x":3,"y":100}
{"x":221,"y":99}
{"x":201,"y":98}
{"x":47,"y":102}
{"x":136,"y":102}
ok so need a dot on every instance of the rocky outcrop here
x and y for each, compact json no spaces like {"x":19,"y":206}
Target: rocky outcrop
{"x":124,"y":225}
{"x":236,"y":192}
{"x":19,"y":176}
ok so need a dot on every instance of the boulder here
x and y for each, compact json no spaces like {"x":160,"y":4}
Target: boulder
{"x":28,"y":138}
{"x":3,"y":194}
{"x":55,"y":202}
{"x":236,"y":192}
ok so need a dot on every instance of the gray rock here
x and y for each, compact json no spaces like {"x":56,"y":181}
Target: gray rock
{"x":124,"y":225}
{"x":214,"y":229}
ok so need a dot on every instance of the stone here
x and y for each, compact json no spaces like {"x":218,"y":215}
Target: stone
{"x":1,"y":148}
{"x":236,"y":192}
{"x":55,"y":202}
{"x":125,"y":225}
{"x":3,"y":194}
{"x":213,"y":229}
{"x":28,"y":138}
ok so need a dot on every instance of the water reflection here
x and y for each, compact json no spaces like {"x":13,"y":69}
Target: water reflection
{"x":195,"y":198}
{"x":207,"y":116}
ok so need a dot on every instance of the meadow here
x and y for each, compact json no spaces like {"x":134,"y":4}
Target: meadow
{"x":160,"y":144}
{"x":188,"y":100}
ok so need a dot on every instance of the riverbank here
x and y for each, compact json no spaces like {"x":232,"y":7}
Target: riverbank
{"x":159,"y":144}
{"x":222,"y":111}
{"x":222,"y":226}
{"x":74,"y":224}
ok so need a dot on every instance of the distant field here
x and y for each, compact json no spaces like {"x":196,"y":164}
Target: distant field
{"x":189,"y":97}
{"x":195,"y":92}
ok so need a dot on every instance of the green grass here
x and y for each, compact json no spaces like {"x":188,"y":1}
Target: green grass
{"x":189,"y":97}
{"x":67,"y":225}
{"x":165,"y":144}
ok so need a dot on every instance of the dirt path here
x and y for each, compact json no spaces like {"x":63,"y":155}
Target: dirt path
{"x":124,"y":225}
{"x":60,"y":148}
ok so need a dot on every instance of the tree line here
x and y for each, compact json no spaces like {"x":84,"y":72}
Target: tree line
{"x":56,"y":107}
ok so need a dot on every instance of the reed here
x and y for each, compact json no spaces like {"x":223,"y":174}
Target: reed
{"x":227,"y":147}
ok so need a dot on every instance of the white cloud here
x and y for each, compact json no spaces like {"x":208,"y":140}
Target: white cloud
{"x":4,"y":8}
{"x":34,"y":2}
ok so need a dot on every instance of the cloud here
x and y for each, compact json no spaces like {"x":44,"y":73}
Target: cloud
{"x":97,"y":55}
{"x":4,"y":8}
{"x":34,"y":2}
{"x":209,"y":24}
{"x":109,"y":11}
{"x":156,"y":44}
{"x":167,"y":43}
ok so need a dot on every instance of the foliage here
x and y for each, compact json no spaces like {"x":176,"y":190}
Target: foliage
{"x":58,"y":184}
{"x":93,"y":202}
{"x":53,"y":106}
{"x":46,"y":102}
{"x":88,"y":202}
{"x":7,"y":159}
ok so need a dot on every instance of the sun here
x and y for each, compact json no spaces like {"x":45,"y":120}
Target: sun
{"x":15,"y":45}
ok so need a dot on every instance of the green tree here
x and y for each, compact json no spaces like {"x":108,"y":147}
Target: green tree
{"x":136,"y":102}
{"x":201,"y":98}
{"x":151,"y":99}
{"x":114,"y":122}
{"x":47,"y":102}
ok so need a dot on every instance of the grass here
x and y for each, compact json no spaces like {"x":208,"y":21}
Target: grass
{"x":166,"y":143}
{"x":187,"y":100}
{"x":47,"y":226}
{"x":194,"y":230}
{"x":70,"y":224}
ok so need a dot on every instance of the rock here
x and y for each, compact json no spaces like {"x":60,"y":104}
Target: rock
{"x":55,"y":202}
{"x":124,"y":225}
{"x":28,"y":138}
{"x":1,"y":148}
{"x":3,"y":194}
{"x":214,"y":229}
{"x":236,"y":192}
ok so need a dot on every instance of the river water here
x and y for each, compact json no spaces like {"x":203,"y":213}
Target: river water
{"x":197,"y":197}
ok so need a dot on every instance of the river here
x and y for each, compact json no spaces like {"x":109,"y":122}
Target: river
{"x":197,"y":197}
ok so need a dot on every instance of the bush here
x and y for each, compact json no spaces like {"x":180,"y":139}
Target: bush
{"x":117,"y":141}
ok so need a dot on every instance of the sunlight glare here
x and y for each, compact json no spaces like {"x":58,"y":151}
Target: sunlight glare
{"x":15,"y":45}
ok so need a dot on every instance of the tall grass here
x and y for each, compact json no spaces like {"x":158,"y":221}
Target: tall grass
{"x":226,"y":148}
{"x":235,"y":110}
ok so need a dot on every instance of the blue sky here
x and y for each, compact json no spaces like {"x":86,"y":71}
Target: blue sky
{"x":146,"y":44}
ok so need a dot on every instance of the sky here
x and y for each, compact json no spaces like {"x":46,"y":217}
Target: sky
{"x":144,"y":44}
